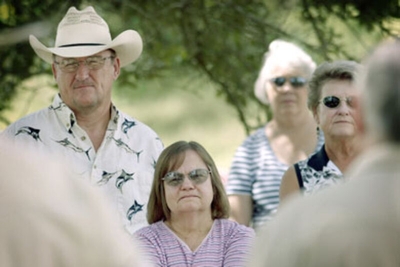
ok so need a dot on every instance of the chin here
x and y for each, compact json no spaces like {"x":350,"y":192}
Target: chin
{"x":290,"y":110}
{"x":344,"y":134}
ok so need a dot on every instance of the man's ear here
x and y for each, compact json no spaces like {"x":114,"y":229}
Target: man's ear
{"x":54,"y":70}
{"x":117,"y":67}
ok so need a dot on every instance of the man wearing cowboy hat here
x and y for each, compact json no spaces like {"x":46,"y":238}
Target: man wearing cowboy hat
{"x":97,"y":142}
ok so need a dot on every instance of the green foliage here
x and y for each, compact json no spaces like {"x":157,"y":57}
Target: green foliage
{"x":18,"y":61}
{"x":222,"y":40}
{"x":366,"y":12}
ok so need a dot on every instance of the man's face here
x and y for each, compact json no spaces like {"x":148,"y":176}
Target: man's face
{"x":85,"y":83}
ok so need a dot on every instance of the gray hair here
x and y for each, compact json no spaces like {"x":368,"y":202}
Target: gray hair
{"x":281,"y":53}
{"x":381,"y":96}
{"x":327,"y":71}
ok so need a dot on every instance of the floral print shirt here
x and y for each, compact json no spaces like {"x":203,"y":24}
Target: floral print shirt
{"x":317,"y":172}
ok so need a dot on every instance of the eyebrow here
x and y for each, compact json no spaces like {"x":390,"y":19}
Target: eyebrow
{"x":95,"y":55}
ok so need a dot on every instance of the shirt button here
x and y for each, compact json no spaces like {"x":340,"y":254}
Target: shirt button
{"x":83,"y":138}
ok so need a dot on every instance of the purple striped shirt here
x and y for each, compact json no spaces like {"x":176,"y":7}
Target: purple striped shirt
{"x":227,"y":244}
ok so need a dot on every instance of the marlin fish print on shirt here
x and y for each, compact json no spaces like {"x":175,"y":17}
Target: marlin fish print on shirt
{"x":122,"y":179}
{"x":135,"y":208}
{"x":124,"y":146}
{"x":126,"y":125}
{"x":105,"y":177}
{"x":65,"y":142}
{"x":34,"y":133}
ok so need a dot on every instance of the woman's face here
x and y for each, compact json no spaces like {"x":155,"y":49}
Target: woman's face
{"x":287,"y":95}
{"x":189,"y":196}
{"x":340,"y":119}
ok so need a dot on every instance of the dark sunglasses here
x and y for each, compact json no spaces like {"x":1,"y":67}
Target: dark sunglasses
{"x":334,"y":101}
{"x":197,"y":176}
{"x":296,"y":82}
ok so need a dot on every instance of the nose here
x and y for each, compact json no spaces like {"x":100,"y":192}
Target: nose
{"x":187,"y":184}
{"x":285,"y":87}
{"x":82,"y":73}
{"x":343,"y":108}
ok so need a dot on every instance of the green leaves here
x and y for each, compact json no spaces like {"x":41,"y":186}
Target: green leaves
{"x":222,"y":40}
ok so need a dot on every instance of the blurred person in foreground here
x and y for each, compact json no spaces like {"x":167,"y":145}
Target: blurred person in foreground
{"x":333,"y":98}
{"x":356,"y":223}
{"x":290,"y":136}
{"x":48,"y":219}
{"x":188,"y":211}
{"x":100,"y":143}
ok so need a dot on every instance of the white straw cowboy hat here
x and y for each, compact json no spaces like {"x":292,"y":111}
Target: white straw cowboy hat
{"x":84,"y":33}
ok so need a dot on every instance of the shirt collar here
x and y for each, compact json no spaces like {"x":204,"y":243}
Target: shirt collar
{"x":68,"y":119}
{"x":319,"y":159}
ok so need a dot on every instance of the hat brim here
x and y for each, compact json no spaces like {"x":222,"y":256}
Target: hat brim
{"x":128,"y":46}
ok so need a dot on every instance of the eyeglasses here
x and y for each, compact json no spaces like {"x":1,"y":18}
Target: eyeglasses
{"x":197,"y":176}
{"x":334,"y":101}
{"x":70,"y":65}
{"x":296,"y":82}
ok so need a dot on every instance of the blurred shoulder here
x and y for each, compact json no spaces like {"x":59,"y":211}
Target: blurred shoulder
{"x":152,"y":230}
{"x":35,"y":119}
{"x":230,"y":226}
{"x":255,"y":140}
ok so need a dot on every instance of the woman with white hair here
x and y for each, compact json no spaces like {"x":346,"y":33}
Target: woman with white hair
{"x":291,"y":135}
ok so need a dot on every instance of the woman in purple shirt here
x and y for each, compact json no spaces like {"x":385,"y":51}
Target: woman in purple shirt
{"x":188,"y":211}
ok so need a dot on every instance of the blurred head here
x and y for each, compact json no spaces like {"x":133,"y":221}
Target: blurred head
{"x":283,"y":59}
{"x":50,"y":218}
{"x":334,"y":98}
{"x":329,"y":238}
{"x":381,"y":92}
{"x":171,"y":159}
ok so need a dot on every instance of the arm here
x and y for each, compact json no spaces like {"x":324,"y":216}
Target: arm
{"x":241,"y":208}
{"x":241,"y":178}
{"x":289,"y":184}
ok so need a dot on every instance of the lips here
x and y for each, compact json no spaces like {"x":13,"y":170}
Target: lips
{"x":342,"y":122}
{"x":188,"y":196}
{"x":288,"y":100}
{"x":78,"y":86}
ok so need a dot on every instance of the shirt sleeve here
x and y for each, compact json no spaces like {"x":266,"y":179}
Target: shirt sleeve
{"x":239,"y":246}
{"x":241,"y":175}
{"x":149,"y":246}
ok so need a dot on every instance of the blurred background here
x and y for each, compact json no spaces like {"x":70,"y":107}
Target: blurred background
{"x":194,"y":80}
